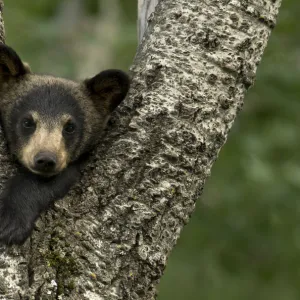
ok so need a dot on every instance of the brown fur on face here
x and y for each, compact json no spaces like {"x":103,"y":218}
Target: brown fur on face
{"x":52,"y":102}
{"x":46,"y":138}
{"x":48,"y":134}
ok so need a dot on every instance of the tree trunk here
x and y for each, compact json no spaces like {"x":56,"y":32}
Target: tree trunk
{"x":111,"y":236}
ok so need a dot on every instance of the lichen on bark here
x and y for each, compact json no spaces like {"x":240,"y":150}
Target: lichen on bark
{"x":111,"y":236}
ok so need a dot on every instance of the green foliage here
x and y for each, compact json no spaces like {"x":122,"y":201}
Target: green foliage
{"x":92,"y":7}
{"x":243,"y":240}
{"x":33,"y":29}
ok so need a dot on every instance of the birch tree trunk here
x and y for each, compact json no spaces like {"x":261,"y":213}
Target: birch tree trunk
{"x":111,"y":236}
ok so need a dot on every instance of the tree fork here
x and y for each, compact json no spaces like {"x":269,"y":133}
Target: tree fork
{"x":111,"y":236}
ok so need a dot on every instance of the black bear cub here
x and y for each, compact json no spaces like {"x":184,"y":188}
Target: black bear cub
{"x":49,"y":123}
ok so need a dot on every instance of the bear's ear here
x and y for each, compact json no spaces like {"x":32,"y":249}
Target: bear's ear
{"x":11,"y":64}
{"x":108,"y":88}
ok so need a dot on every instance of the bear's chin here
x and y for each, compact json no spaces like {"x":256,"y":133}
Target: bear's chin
{"x":44,"y":174}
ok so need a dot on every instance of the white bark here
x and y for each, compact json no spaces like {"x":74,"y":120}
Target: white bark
{"x":145,"y":9}
{"x":111,"y":236}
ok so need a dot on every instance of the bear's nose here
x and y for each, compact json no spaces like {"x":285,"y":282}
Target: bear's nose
{"x":45,"y":161}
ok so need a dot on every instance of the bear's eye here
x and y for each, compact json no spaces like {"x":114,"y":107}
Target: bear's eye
{"x":28,"y":123}
{"x":69,"y":127}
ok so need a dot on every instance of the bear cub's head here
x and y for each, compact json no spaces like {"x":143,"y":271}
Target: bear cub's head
{"x":49,"y":122}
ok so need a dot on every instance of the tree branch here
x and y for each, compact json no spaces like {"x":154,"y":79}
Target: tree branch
{"x":145,"y":9}
{"x":111,"y":236}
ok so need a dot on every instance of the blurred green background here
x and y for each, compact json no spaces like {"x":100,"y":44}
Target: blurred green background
{"x":243,"y":241}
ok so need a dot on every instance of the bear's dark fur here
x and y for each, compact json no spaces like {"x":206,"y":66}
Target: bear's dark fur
{"x":49,"y":123}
